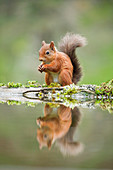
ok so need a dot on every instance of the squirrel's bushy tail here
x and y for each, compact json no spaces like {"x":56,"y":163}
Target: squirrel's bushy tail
{"x":68,"y":45}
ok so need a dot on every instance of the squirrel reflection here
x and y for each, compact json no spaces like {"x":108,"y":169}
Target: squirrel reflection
{"x":59,"y":124}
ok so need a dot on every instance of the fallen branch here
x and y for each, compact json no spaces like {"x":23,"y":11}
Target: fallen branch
{"x":33,"y":93}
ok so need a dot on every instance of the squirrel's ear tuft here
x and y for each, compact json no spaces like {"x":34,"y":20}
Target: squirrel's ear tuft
{"x":43,"y":43}
{"x":52,"y":45}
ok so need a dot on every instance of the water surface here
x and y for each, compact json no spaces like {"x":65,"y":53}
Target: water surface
{"x":83,"y":137}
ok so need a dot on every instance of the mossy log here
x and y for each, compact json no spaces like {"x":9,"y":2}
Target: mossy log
{"x":72,"y":95}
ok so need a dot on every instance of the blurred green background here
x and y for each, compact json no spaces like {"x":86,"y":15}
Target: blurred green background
{"x":25,"y":23}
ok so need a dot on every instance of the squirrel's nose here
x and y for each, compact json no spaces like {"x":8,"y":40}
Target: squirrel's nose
{"x":40,"y":59}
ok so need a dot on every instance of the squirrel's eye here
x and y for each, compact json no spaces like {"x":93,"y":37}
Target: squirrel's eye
{"x":47,"y":52}
{"x":45,"y":136}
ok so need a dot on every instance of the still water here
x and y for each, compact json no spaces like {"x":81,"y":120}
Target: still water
{"x":55,"y":136}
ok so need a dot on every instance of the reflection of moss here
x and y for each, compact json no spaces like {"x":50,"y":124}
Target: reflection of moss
{"x":70,"y":102}
{"x":105,"y":104}
{"x":13,"y":102}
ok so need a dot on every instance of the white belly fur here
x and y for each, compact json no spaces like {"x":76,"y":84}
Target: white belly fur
{"x":55,"y":77}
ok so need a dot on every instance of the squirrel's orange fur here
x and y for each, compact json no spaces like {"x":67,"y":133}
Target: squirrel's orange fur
{"x":53,"y":126}
{"x":58,"y":125}
{"x":61,"y":67}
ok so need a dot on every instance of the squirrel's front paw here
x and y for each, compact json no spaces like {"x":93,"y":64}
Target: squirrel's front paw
{"x":41,"y":68}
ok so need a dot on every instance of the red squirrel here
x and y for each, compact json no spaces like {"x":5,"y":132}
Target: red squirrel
{"x":58,"y":125}
{"x":54,"y":125}
{"x":61,"y":67}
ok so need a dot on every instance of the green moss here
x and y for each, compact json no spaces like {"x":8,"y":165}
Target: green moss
{"x":2,"y":84}
{"x":105,"y":89}
{"x":29,"y":84}
{"x":16,"y":85}
{"x":51,"y":85}
{"x":65,"y":95}
{"x":68,"y":90}
{"x":13,"y":85}
{"x":13,"y":102}
{"x":52,"y":105}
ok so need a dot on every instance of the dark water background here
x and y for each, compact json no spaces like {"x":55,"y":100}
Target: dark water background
{"x":19,"y":147}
